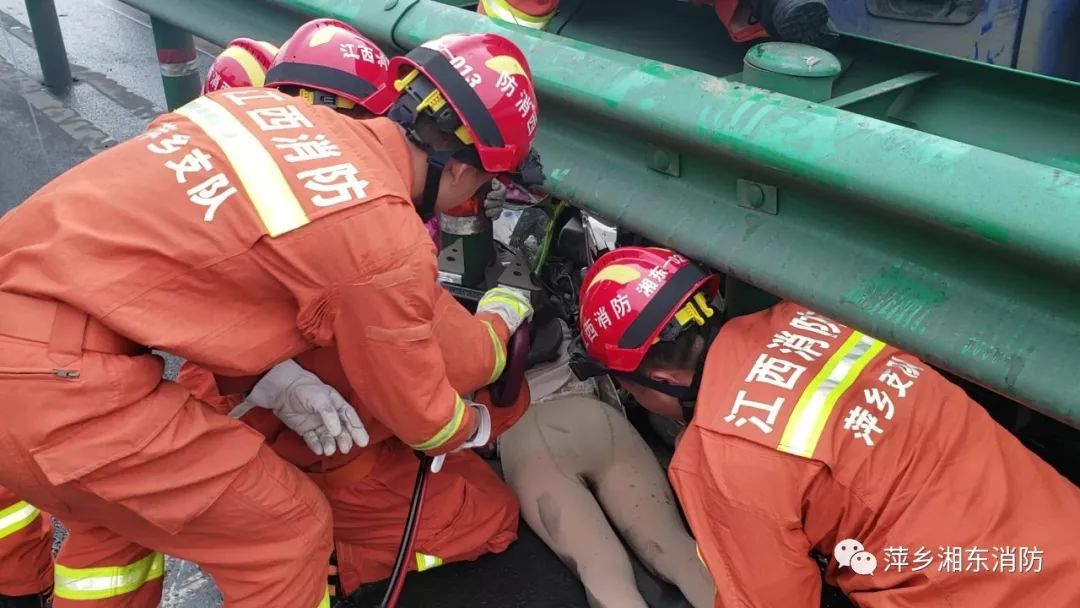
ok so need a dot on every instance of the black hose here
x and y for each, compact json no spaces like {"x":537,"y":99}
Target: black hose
{"x":408,"y":538}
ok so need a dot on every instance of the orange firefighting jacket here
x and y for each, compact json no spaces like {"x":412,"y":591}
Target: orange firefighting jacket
{"x":241,"y":230}
{"x":808,"y":433}
{"x":536,"y":14}
{"x":473,"y":348}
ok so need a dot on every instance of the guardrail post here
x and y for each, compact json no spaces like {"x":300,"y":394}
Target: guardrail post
{"x":177,"y":57}
{"x":49,"y":41}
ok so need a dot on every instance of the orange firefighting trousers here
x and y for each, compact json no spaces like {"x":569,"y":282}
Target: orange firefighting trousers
{"x":468,"y":511}
{"x":84,"y":444}
{"x":25,"y":547}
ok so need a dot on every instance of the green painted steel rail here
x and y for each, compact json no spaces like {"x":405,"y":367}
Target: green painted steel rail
{"x":965,"y":255}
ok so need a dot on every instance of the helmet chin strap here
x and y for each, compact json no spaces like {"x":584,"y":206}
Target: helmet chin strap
{"x":687,"y":395}
{"x":436,"y":163}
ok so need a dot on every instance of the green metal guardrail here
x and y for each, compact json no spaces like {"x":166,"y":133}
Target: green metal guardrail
{"x":965,"y":256}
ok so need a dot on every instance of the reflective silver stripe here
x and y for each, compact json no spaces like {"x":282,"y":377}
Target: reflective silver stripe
{"x":808,"y":419}
{"x":16,"y":517}
{"x":427,"y":562}
{"x":175,"y":70}
{"x":463,"y":225}
{"x":108,"y":581}
{"x":266,"y":186}
{"x":448,"y":430}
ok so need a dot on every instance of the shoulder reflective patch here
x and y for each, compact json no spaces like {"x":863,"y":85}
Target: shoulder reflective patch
{"x":808,"y":419}
{"x":265,"y":185}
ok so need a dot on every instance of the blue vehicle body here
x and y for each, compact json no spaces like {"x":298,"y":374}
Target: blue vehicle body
{"x":1035,"y":35}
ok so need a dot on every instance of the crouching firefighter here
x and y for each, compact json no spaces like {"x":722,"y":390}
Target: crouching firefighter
{"x":807,"y":438}
{"x":469,"y":511}
{"x":238,"y":232}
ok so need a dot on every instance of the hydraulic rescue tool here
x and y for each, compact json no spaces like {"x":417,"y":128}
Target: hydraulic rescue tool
{"x":468,"y":267}
{"x":503,"y":394}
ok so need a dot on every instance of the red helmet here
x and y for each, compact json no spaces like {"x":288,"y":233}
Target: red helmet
{"x":487,"y":83}
{"x":634,"y":297}
{"x":332,"y":64}
{"x":243,"y":63}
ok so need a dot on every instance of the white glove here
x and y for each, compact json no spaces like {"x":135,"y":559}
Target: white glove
{"x":479,"y":439}
{"x":495,"y":200}
{"x":312,"y":408}
{"x":510,"y":304}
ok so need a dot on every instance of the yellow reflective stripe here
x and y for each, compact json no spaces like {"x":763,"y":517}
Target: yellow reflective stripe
{"x":500,"y":352}
{"x":108,"y":581}
{"x":515,"y":304}
{"x":16,"y":517}
{"x":260,"y":176}
{"x":808,"y":419}
{"x":255,"y":73}
{"x":448,"y":431}
{"x":501,"y":9}
{"x":427,"y":562}
{"x":325,"y":603}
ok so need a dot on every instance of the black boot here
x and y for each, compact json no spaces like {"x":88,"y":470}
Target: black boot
{"x":37,"y":600}
{"x":804,"y":21}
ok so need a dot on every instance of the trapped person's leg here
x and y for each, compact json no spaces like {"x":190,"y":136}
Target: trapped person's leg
{"x":544,"y":460}
{"x":637,"y":498}
{"x":577,"y":444}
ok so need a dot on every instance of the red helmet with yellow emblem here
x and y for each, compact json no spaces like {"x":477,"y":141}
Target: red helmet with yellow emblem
{"x":634,"y":297}
{"x":477,"y":87}
{"x":243,"y":63}
{"x":332,"y":64}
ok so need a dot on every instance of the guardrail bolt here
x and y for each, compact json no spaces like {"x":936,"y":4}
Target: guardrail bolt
{"x":755,"y":196}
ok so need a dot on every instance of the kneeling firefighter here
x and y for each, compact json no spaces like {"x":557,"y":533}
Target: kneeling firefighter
{"x":238,"y":232}
{"x":469,"y":511}
{"x":808,"y":438}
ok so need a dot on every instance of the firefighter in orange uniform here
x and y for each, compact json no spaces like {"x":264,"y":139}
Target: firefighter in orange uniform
{"x":805,"y":21}
{"x":469,"y":511}
{"x":240,"y":231}
{"x":806,"y":437}
{"x":26,"y":563}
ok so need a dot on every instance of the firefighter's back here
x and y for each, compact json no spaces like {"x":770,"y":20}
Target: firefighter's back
{"x":196,"y":237}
